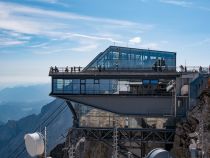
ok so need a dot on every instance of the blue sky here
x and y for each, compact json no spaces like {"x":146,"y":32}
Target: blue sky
{"x":35,"y":34}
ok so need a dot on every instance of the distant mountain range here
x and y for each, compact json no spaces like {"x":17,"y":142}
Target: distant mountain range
{"x":21,"y":112}
{"x":25,"y":93}
{"x":1,"y":123}
{"x":55,"y":115}
{"x":18,"y":102}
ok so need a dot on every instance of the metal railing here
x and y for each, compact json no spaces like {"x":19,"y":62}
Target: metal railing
{"x":181,"y":69}
{"x":67,"y":69}
{"x":193,"y":69}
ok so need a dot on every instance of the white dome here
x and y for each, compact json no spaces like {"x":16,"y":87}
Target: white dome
{"x":34,"y":144}
{"x":159,"y":153}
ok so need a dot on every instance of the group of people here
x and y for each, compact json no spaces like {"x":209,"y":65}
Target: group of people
{"x":73,"y":69}
{"x":159,"y":65}
{"x":200,"y":69}
{"x":102,"y":68}
{"x":183,"y":68}
{"x":55,"y":69}
{"x":67,"y":69}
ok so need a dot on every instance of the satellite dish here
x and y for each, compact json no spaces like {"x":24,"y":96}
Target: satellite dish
{"x":159,"y":153}
{"x":34,"y":143}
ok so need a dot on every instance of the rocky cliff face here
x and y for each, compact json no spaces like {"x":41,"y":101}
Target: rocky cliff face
{"x":194,"y":131}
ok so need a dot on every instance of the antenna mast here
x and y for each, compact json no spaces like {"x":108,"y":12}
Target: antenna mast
{"x":45,"y":142}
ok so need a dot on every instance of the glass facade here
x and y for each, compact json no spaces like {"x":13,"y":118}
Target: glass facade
{"x":120,"y":58}
{"x":92,"y":117}
{"x":111,"y":86}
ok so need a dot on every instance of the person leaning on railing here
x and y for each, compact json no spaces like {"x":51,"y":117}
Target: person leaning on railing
{"x":56,"y":69}
{"x":181,"y":68}
{"x":51,"y":69}
{"x":185,"y":68}
{"x":99,"y":68}
{"x":67,"y":69}
{"x":200,"y":69}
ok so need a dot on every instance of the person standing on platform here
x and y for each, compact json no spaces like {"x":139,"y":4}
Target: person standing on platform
{"x":67,"y":69}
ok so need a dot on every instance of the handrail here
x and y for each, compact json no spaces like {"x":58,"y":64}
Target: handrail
{"x":66,"y":69}
{"x":74,"y":69}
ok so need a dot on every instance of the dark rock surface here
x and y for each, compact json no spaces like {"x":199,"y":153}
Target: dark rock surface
{"x":194,"y":127}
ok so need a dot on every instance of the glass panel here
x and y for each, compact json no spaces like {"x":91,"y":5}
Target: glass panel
{"x":82,"y":81}
{"x":83,"y":90}
{"x":96,"y":81}
{"x":104,"y":86}
{"x":76,"y":86}
{"x":58,"y":85}
{"x":92,"y":117}
{"x":136,"y":59}
{"x":67,"y":86}
{"x":115,"y":55}
{"x":112,"y":86}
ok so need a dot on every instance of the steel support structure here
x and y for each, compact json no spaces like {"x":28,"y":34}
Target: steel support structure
{"x":127,"y":138}
{"x":115,"y":139}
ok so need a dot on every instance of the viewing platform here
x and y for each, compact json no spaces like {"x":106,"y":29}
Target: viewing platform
{"x":131,"y":81}
{"x":56,"y":71}
{"x":134,"y":97}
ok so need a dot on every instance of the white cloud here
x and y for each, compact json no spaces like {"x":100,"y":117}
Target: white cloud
{"x":164,"y":42}
{"x":203,"y":42}
{"x":91,"y":37}
{"x":50,"y":1}
{"x":81,"y":48}
{"x":86,"y":48}
{"x":204,"y":8}
{"x":11,"y":8}
{"x":151,"y":45}
{"x":181,"y":3}
{"x":53,"y":2}
{"x":16,"y":35}
{"x":29,"y":21}
{"x":40,"y":45}
{"x":10,"y":42}
{"x":20,"y":26}
{"x":186,"y":4}
{"x":9,"y":38}
{"x":135,"y":40}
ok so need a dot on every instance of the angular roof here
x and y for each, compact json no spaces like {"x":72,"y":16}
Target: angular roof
{"x":128,"y":50}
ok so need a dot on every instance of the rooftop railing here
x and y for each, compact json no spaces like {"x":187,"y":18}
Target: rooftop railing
{"x":67,"y":69}
{"x":194,"y":69}
{"x":74,"y":69}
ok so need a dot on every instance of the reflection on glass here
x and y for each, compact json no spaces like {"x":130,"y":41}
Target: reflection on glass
{"x":111,"y":86}
{"x":92,"y":117}
{"x":119,"y":58}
